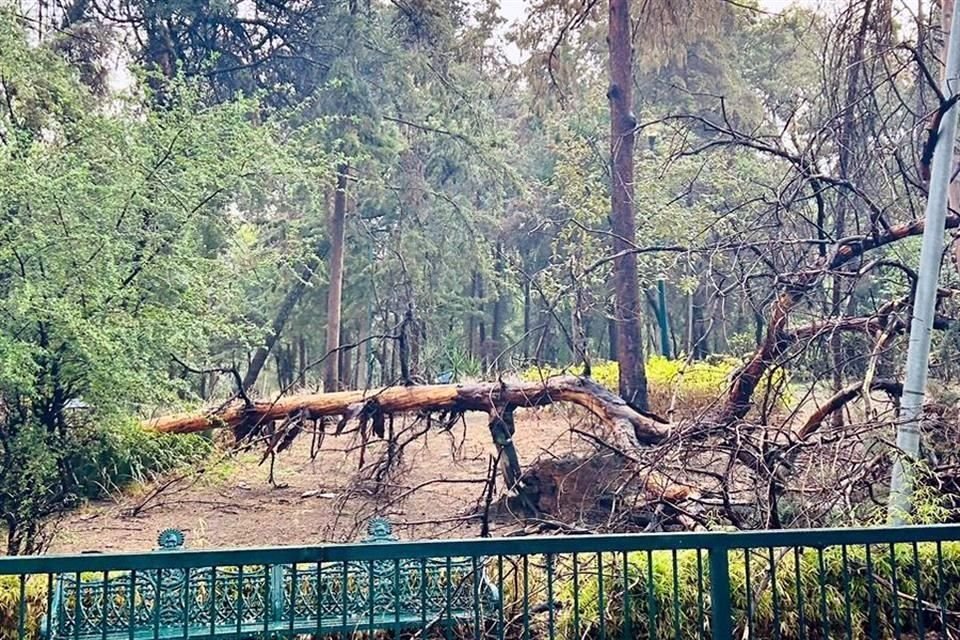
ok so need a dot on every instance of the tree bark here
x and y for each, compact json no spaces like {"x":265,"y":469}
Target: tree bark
{"x":485,"y":397}
{"x":633,"y":381}
{"x":331,"y":373}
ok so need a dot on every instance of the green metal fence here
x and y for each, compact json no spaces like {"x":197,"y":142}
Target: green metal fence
{"x":844,"y":583}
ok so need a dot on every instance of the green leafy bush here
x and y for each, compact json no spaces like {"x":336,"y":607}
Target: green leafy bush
{"x":117,"y":456}
{"x":99,"y":457}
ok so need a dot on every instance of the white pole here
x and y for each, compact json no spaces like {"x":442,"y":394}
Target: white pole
{"x":931,"y":253}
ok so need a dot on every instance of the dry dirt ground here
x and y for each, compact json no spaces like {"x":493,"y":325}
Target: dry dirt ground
{"x":320,"y":500}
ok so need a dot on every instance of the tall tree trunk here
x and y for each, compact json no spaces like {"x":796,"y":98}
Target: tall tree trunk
{"x":698,"y":331}
{"x":472,"y":347}
{"x":385,"y":352}
{"x":331,"y":373}
{"x":633,"y":380}
{"x":483,"y":349}
{"x":612,"y":336}
{"x":363,"y":353}
{"x":302,"y":358}
{"x":663,"y":319}
{"x":346,"y":361}
{"x":499,"y":309}
{"x":289,"y":303}
{"x":526,"y":321}
{"x":846,"y":139}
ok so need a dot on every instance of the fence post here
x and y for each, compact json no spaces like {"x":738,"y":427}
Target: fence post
{"x":275,"y":576}
{"x":720,"y":611}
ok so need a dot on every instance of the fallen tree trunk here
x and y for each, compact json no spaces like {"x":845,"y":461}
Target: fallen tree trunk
{"x":488,"y":397}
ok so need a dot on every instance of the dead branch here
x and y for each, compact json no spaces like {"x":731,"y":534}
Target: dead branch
{"x":840,"y":399}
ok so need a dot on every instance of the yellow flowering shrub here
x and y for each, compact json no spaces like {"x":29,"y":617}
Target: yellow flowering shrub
{"x":698,"y":384}
{"x":35,"y":592}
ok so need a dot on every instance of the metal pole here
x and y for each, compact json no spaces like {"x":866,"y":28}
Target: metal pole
{"x":931,"y":253}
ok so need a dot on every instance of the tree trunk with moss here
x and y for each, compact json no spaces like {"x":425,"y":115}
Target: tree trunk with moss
{"x":633,"y":381}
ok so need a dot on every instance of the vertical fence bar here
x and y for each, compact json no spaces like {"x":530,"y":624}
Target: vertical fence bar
{"x":319,"y":572}
{"x":720,"y":611}
{"x":396,"y":596}
{"x":774,"y":592}
{"x":627,"y":613}
{"x":525,"y":563}
{"x":919,"y":602}
{"x":423,"y":595}
{"x":22,"y":609}
{"x":371,"y":578}
{"x":871,"y":595}
{"x":700,"y":609}
{"x":103,"y":607}
{"x":941,"y":596}
{"x":213,"y":601}
{"x":651,"y":599}
{"x":448,"y":627}
{"x":47,"y":631}
{"x":344,"y":597}
{"x":847,"y":612}
{"x":576,"y":596}
{"x":550,"y":620}
{"x":294,"y":592}
{"x":501,"y":632}
{"x":676,"y":595}
{"x":239,"y":609}
{"x":133,"y":604}
{"x":749,"y":589}
{"x":798,"y":585}
{"x":157,"y":595}
{"x":187,"y":603}
{"x":822,"y":579}
{"x":600,"y":608}
{"x":78,"y":612}
{"x":895,"y":591}
{"x":475,"y":584}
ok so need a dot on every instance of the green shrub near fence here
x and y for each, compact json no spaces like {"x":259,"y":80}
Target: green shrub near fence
{"x":34,"y":603}
{"x":829,"y":591}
